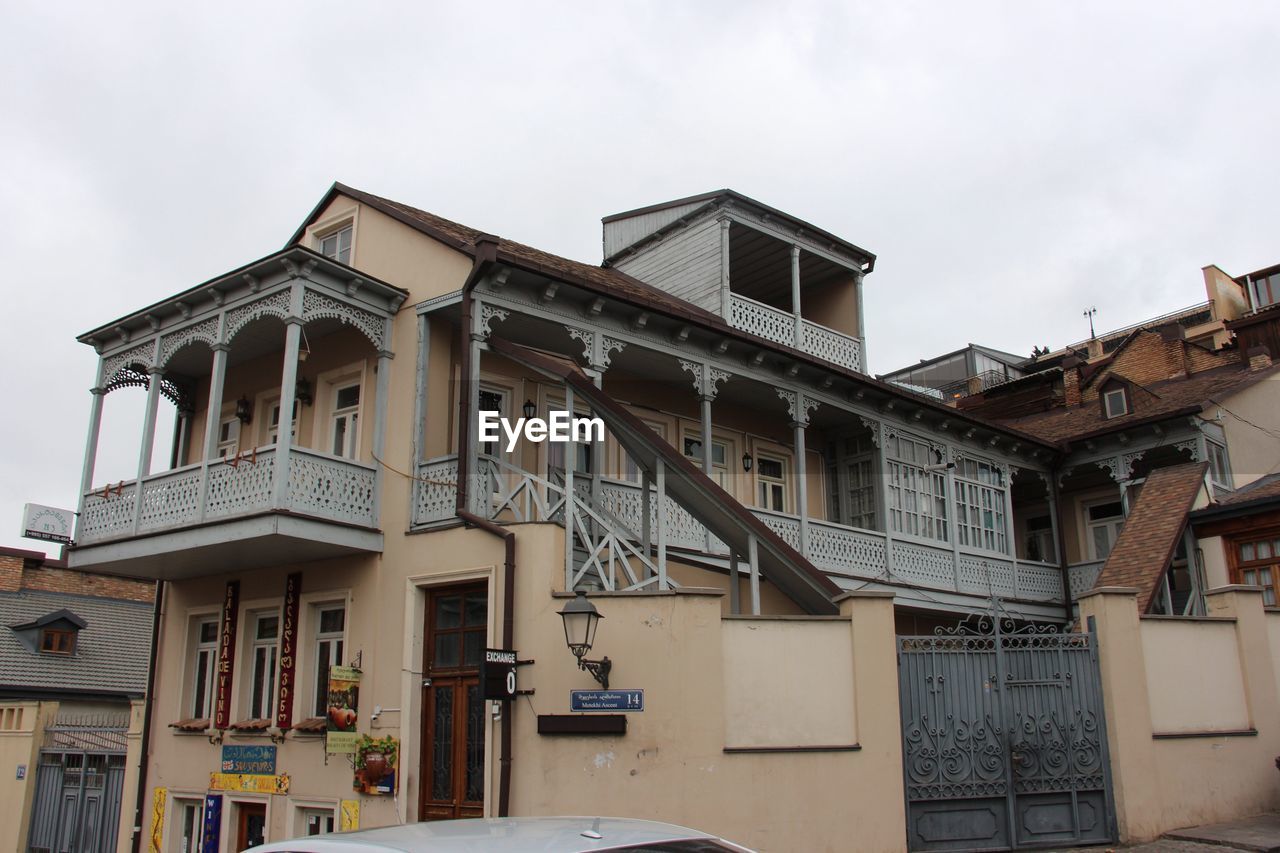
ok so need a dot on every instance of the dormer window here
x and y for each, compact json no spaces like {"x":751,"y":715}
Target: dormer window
{"x":1115,"y":402}
{"x":337,"y":244}
{"x":57,"y":641}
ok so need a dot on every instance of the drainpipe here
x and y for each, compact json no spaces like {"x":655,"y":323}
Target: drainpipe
{"x":147,"y":706}
{"x":486,"y":250}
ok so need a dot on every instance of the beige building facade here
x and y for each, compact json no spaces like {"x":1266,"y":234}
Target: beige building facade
{"x":760,"y":524}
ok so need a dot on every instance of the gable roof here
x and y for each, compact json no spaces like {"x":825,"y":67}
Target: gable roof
{"x":701,"y":496}
{"x":612,"y":283}
{"x":111,"y":652}
{"x":718,"y":197}
{"x":63,"y":615}
{"x":1150,"y":534}
{"x":1168,"y":398}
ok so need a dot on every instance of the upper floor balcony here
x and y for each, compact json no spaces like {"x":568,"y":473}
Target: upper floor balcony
{"x":251,"y":481}
{"x":763,"y":271}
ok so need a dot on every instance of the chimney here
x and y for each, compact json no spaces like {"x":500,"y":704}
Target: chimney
{"x":1173,"y":332}
{"x":1094,"y":348}
{"x":1259,"y":358}
{"x":11,"y":572}
{"x":1071,"y":380}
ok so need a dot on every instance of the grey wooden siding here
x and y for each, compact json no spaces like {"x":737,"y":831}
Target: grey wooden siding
{"x":686,"y":264}
{"x":625,"y":232}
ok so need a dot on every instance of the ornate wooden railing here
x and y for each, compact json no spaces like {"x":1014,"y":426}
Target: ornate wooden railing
{"x":516,"y":496}
{"x":318,"y":485}
{"x":779,"y":326}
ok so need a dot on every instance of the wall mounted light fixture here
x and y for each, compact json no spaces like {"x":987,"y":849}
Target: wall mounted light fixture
{"x":580,"y":621}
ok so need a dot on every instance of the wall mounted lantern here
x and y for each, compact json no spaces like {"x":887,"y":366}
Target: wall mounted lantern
{"x":529,"y":409}
{"x":580,"y":621}
{"x":244,"y":410}
{"x":302,"y":391}
{"x":747,"y":461}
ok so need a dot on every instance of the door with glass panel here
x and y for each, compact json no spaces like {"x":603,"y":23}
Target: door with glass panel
{"x":453,"y":722}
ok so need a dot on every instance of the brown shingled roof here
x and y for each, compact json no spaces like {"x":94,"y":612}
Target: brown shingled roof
{"x":1264,"y":488}
{"x":1151,"y":532}
{"x":1156,"y":401}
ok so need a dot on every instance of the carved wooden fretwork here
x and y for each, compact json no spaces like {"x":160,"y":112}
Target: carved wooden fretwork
{"x":706,"y":379}
{"x":317,"y":305}
{"x":111,"y":365}
{"x":608,"y":346}
{"x":799,"y":405}
{"x":488,"y":315}
{"x":275,"y":305}
{"x":1192,"y":446}
{"x":206,"y":331}
{"x":873,"y":426}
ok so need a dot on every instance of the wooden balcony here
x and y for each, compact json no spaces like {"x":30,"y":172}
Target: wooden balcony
{"x":204,"y":518}
{"x":838,"y":550}
{"x":779,"y":326}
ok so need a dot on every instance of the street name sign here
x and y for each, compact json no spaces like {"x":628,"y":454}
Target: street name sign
{"x":606,"y":700}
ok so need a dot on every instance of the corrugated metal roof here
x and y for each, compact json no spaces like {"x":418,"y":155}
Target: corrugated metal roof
{"x":111,"y":650}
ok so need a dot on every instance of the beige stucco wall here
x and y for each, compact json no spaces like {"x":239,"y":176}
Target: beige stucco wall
{"x":1273,"y":634}
{"x":1214,"y":554}
{"x":1165,"y":783}
{"x":1254,"y":452}
{"x":833,"y":304}
{"x":1187,"y":698}
{"x":21,"y":730}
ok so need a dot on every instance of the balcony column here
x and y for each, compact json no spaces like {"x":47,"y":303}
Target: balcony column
{"x":154,"y":375}
{"x":91,"y":442}
{"x":213,"y":415}
{"x":795,"y":297}
{"x":706,"y":452}
{"x":288,"y":393}
{"x":726,"y":308}
{"x":570,"y":461}
{"x":798,"y":407}
{"x":382,"y":390}
{"x":862,"y":326}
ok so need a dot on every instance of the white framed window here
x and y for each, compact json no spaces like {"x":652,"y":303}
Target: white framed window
{"x":1037,"y":540}
{"x":1103,"y":522}
{"x":188,"y":823}
{"x":493,"y":400}
{"x":980,"y":516}
{"x":691,"y":446}
{"x":916,"y":497}
{"x":228,"y":437}
{"x":851,"y":478}
{"x":204,"y":660}
{"x":1115,"y":402}
{"x":1219,"y":464}
{"x":584,"y":451}
{"x":629,"y":469}
{"x":315,"y":820}
{"x":344,"y":422}
{"x":272,"y":425}
{"x":264,"y":653}
{"x":337,"y":244}
{"x":771,"y":482}
{"x":330,"y":639}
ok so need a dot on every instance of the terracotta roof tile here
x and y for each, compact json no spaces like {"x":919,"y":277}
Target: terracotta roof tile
{"x":1161,"y":399}
{"x":1150,"y":534}
{"x":1260,"y":489}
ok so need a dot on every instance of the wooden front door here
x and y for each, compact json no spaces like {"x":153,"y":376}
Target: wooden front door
{"x":453,"y":723}
{"x":251,"y":825}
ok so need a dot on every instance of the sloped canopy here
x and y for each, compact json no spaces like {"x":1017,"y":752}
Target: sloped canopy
{"x":701,"y":496}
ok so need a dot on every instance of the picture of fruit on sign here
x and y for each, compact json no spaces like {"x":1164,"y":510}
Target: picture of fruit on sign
{"x":342,"y":719}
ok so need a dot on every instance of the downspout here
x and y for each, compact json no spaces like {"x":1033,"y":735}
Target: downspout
{"x":486,"y":250}
{"x":147,"y":706}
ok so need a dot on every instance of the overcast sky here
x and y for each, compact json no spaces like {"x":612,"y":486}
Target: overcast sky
{"x":1010,"y":163}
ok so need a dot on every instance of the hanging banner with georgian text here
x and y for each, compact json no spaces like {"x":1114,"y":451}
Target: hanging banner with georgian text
{"x":288,"y":651}
{"x":226,"y":655}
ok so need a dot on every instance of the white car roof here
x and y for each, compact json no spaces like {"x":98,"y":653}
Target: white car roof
{"x":501,"y":835}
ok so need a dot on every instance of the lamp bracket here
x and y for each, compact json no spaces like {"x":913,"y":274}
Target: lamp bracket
{"x":599,"y":669}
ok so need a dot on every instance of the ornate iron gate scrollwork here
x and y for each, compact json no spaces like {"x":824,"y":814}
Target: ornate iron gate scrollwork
{"x":1004,"y":743}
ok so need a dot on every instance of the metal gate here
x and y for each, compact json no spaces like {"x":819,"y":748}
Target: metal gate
{"x":1004,"y":741}
{"x":79,"y":783}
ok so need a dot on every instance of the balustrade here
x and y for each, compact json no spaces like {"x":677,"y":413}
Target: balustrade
{"x":320,"y":485}
{"x":778,"y":326}
{"x":834,"y":548}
